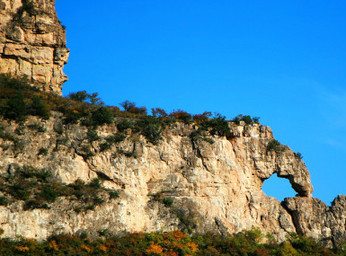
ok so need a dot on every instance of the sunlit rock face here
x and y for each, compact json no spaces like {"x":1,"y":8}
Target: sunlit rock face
{"x":33,"y":43}
{"x":214,"y":186}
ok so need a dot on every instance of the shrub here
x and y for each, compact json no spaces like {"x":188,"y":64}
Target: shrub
{"x":95,"y":183}
{"x":217,"y":125}
{"x":276,"y":146}
{"x":202,"y":117}
{"x":49,"y":194}
{"x":38,"y":108}
{"x":298,"y":156}
{"x":3,"y":201}
{"x":113,"y":194}
{"x":168,"y":202}
{"x":150,"y":128}
{"x":131,"y":108}
{"x":43,"y":151}
{"x":181,"y":115}
{"x":83,"y":96}
{"x":159,"y":112}
{"x":92,"y":135}
{"x":102,"y":116}
{"x":124,"y":125}
{"x":16,"y":107}
{"x":246,"y":119}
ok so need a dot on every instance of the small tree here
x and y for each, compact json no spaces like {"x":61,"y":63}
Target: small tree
{"x":127,"y":105}
{"x":102,"y":116}
{"x":158,"y":112}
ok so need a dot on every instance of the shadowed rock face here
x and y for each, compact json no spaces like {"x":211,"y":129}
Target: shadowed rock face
{"x":33,"y":43}
{"x":215,"y":187}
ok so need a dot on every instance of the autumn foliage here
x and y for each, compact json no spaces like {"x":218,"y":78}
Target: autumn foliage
{"x":175,"y":243}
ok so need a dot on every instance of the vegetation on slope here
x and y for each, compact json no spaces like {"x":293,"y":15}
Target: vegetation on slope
{"x":174,"y":243}
{"x":18,"y":100}
{"x":39,"y":189}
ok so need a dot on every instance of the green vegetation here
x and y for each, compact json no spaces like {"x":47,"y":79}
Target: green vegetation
{"x":18,"y":100}
{"x":245,"y":119}
{"x":38,"y":189}
{"x":175,"y":243}
{"x":276,"y":146}
{"x":298,"y":156}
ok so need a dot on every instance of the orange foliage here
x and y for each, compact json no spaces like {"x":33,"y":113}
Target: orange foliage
{"x":171,"y":253}
{"x":23,"y":248}
{"x":103,"y":248}
{"x":178,"y":235}
{"x":154,"y":249}
{"x":177,"y":245}
{"x":192,"y":246}
{"x":262,"y":252}
{"x":85,"y":248}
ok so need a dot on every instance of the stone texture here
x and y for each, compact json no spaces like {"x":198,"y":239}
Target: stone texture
{"x":216,"y":187}
{"x":33,"y":43}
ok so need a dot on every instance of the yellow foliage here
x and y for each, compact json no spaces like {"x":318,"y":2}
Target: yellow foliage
{"x":288,"y":250}
{"x":53,"y":245}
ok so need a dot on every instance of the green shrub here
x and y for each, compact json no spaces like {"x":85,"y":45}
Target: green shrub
{"x":83,"y":96}
{"x":113,"y":194}
{"x":92,"y":135}
{"x":38,"y":108}
{"x":16,"y":107}
{"x":95,"y":183}
{"x":298,"y":156}
{"x":49,"y":194}
{"x":276,"y":146}
{"x":3,"y":201}
{"x":151,"y":128}
{"x":124,"y":125}
{"x":43,"y":151}
{"x":217,"y":126}
{"x":246,"y":119}
{"x":102,"y":116}
{"x":168,"y":201}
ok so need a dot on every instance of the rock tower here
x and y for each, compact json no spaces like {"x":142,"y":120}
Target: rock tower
{"x":33,"y":43}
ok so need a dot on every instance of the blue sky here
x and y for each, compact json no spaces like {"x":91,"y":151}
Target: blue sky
{"x":283,"y":61}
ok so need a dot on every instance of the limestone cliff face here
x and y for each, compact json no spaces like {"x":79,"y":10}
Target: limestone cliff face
{"x":33,"y":43}
{"x":214,"y":187}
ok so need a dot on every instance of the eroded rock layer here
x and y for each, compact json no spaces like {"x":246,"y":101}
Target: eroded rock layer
{"x":33,"y":43}
{"x":207,"y":186}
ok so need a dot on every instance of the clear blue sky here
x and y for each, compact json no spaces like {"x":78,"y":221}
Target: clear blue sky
{"x":284,"y":61}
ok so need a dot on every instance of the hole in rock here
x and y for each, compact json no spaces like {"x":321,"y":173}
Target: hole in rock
{"x":278,"y":188}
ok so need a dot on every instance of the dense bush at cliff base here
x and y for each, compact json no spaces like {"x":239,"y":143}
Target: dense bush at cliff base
{"x":174,"y":243}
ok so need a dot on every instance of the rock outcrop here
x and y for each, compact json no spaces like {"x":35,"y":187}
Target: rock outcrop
{"x":33,"y":43}
{"x":212,"y":186}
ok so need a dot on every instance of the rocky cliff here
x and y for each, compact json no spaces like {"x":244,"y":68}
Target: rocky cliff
{"x":33,"y":43}
{"x":205,"y":183}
